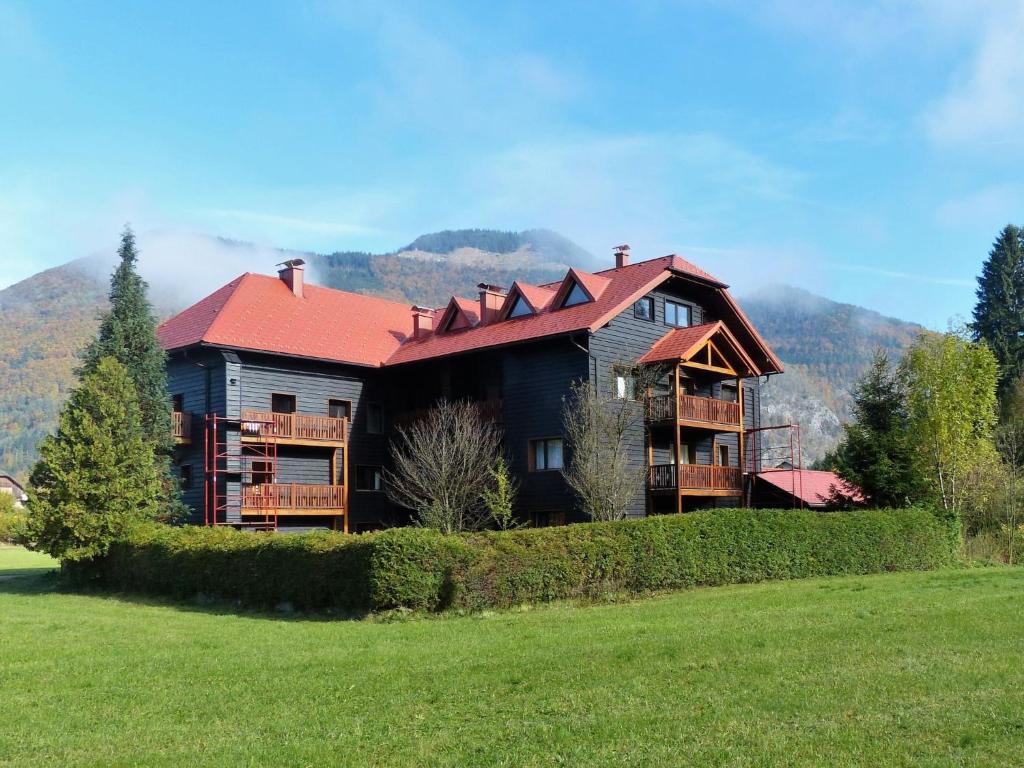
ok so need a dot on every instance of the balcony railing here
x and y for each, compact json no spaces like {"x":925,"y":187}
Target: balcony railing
{"x":181,"y":426}
{"x":282,"y":498}
{"x":293,"y":426}
{"x":705,"y":410}
{"x":694,"y":477}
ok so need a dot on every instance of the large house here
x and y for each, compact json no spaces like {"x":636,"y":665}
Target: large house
{"x":12,"y":487}
{"x":285,"y":393}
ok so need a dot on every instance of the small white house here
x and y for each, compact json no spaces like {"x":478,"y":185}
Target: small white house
{"x":9,"y":485}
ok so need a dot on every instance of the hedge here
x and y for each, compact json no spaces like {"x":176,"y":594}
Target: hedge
{"x":421,"y":569}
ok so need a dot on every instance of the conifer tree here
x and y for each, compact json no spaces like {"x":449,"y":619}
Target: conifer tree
{"x":128,"y":333}
{"x":876,"y":453}
{"x":97,"y":476}
{"x":999,"y":312}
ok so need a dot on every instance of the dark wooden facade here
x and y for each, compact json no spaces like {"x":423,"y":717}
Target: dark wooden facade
{"x":523,"y":385}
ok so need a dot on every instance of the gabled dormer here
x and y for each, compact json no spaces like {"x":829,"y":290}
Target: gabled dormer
{"x":459,"y":315}
{"x":579,"y":287}
{"x":524,"y":300}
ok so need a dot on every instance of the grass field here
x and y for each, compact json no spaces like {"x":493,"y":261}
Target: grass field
{"x":903,"y":669}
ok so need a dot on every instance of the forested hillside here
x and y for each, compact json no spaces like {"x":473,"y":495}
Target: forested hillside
{"x":46,"y":319}
{"x":826,"y":346}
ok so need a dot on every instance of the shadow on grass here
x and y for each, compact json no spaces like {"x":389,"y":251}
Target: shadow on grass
{"x":38,"y":582}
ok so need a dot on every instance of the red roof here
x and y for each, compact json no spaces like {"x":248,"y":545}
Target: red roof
{"x":536,"y":296}
{"x":624,"y":287}
{"x":675,"y":344}
{"x":261,"y":313}
{"x":813,"y":487}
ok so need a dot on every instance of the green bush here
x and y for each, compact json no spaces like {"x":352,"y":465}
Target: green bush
{"x":12,"y":526}
{"x":314,"y":571}
{"x":422,"y":569}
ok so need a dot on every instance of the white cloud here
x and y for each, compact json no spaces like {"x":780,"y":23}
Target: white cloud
{"x":984,"y":104}
{"x":441,"y":74}
{"x":285,"y":228}
{"x":917,"y":277}
{"x":990,"y":207}
{"x":651,"y":190}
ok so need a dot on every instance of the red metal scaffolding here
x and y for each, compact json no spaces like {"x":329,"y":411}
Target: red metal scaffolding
{"x":771,"y":454}
{"x":230,"y":458}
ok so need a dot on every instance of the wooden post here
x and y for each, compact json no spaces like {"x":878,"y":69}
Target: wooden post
{"x":344,"y":500}
{"x":678,"y":440}
{"x":743,"y":426}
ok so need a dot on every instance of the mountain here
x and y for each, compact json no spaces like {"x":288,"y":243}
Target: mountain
{"x":825,"y":346}
{"x":47,"y":318}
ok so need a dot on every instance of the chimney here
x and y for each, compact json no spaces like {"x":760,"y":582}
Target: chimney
{"x":291,"y":273}
{"x":422,"y":322}
{"x":621,"y":256}
{"x":491,"y":299}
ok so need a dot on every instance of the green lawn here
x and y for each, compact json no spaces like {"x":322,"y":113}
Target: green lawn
{"x":904,"y":669}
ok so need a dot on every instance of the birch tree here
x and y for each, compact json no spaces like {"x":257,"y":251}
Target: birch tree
{"x":951,"y":402}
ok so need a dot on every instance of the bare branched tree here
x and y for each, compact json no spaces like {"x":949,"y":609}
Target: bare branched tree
{"x":598,"y":425}
{"x":442,"y":464}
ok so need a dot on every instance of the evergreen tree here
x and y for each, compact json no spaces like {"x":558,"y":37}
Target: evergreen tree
{"x":999,"y":312}
{"x":128,"y":333}
{"x":876,"y":453}
{"x":97,"y":476}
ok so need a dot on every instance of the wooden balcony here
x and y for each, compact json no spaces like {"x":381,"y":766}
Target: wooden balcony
{"x":293,"y":428}
{"x":692,"y":411}
{"x":293,"y":499}
{"x":696,"y":479}
{"x":181,"y":427}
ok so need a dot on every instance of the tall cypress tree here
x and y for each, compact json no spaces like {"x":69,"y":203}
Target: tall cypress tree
{"x":999,"y":312}
{"x":128,"y":334}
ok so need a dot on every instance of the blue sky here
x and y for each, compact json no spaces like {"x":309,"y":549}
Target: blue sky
{"x":869,"y":151}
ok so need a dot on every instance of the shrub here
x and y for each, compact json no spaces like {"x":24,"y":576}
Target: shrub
{"x":313,"y":571}
{"x":12,"y":525}
{"x":423,"y":569}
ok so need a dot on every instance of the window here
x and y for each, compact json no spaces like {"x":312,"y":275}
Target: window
{"x":374,"y":418}
{"x":339,"y":409}
{"x":687,"y":385}
{"x":676,"y":314}
{"x":644,"y":309}
{"x":723,"y":455}
{"x":262,"y":472}
{"x":625,"y":384}
{"x":730,"y":393}
{"x":520,"y":308}
{"x":282,"y":403}
{"x":546,"y":454}
{"x":576,"y":296}
{"x":185,"y":474}
{"x":369,"y":479}
{"x":547,"y":519}
{"x":178,"y":403}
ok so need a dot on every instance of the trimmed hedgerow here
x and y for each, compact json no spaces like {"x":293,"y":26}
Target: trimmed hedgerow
{"x":425,"y":570}
{"x":313,"y":571}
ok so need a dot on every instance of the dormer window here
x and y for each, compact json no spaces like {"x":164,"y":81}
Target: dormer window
{"x":520,"y":308}
{"x":576,"y":296}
